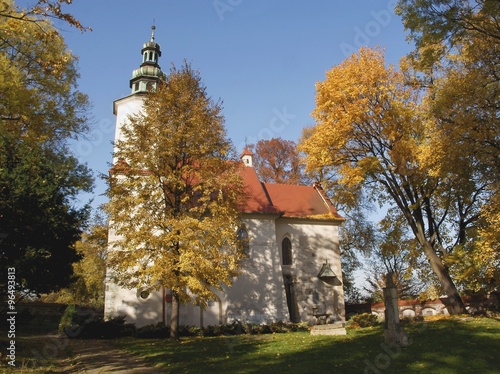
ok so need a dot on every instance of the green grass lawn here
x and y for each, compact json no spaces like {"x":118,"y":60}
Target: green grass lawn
{"x":36,"y":349}
{"x":451,"y":345}
{"x":444,"y":346}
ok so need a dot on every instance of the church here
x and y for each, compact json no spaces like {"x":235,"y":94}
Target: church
{"x":292,"y":271}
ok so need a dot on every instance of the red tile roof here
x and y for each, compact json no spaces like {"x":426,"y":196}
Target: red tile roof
{"x":256,"y":200}
{"x":246,"y":152}
{"x":285,"y":199}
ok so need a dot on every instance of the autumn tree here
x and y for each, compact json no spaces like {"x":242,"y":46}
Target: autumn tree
{"x":357,"y":234}
{"x":397,"y":253}
{"x":277,"y":161}
{"x":373,"y":132}
{"x":40,"y":179}
{"x":434,"y":24}
{"x":39,"y":12}
{"x":87,"y":281}
{"x":457,"y":59}
{"x":174,"y":196}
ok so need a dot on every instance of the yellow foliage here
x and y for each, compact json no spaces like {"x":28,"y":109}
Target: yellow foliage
{"x":37,"y":78}
{"x":367,"y":121}
{"x":174,"y":208}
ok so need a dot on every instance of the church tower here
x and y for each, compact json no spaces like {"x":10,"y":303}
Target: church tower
{"x":119,"y":301}
{"x":144,"y":78}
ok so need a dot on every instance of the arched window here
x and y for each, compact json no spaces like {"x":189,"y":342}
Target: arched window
{"x":286,"y":250}
{"x":242,"y":236}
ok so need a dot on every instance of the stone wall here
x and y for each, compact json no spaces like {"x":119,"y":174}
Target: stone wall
{"x":413,"y":308}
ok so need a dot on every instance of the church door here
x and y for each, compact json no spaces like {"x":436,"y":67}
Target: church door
{"x":290,"y":298}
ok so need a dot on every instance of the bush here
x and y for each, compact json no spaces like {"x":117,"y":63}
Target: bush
{"x":110,"y":329}
{"x":363,"y":320}
{"x":408,"y":320}
{"x":73,"y":320}
{"x":155,"y":331}
{"x":159,"y":330}
{"x":79,"y":322}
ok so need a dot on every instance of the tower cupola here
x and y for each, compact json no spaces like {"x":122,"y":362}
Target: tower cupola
{"x":147,"y":75}
{"x":247,"y":157}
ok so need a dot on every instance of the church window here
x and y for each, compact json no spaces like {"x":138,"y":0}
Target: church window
{"x":242,"y":236}
{"x":286,"y":250}
{"x":142,"y":294}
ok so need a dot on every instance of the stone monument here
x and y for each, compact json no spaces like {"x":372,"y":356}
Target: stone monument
{"x":393,"y":330}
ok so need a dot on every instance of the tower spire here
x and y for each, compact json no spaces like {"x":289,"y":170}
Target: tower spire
{"x":146,"y":76}
{"x":153,"y":28}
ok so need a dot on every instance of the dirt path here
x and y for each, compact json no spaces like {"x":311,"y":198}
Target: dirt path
{"x":93,"y":356}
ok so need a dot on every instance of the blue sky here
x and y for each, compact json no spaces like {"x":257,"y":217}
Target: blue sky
{"x":262,"y":58}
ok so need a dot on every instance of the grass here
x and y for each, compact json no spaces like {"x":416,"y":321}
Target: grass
{"x":446,"y":346}
{"x":36,"y":351}
{"x":443,"y":346}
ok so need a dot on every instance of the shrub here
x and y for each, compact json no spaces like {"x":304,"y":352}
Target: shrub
{"x":79,"y":322}
{"x":155,"y":331}
{"x":363,"y":320}
{"x":159,"y":330}
{"x":73,"y":320}
{"x":110,"y":329}
{"x":408,"y":320}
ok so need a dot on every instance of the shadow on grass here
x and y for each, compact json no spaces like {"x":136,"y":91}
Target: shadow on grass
{"x":448,"y":346}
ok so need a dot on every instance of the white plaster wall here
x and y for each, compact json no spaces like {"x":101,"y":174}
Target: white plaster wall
{"x":312,"y":245}
{"x":123,"y":108}
{"x":120,"y":301}
{"x":257,"y":294}
{"x":212,"y":314}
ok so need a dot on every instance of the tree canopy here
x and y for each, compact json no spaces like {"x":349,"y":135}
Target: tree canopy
{"x":174,"y":195}
{"x":373,"y":130}
{"x":277,"y":161}
{"x":40,"y":109}
{"x":87,"y":281}
{"x":439,"y":25}
{"x":41,"y":8}
{"x":457,"y":60}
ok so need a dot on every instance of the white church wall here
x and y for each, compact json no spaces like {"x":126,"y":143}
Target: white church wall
{"x":123,"y":108}
{"x":313,"y":243}
{"x":138,"y":308}
{"x":192,"y":314}
{"x":256,"y":295}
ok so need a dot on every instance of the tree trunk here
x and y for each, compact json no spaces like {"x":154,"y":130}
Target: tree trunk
{"x":174,"y":320}
{"x":456,"y":304}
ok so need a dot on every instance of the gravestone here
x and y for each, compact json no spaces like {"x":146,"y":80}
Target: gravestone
{"x":393,"y":330}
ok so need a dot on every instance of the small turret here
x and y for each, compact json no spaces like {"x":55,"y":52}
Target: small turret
{"x":147,"y":75}
{"x":247,"y":157}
